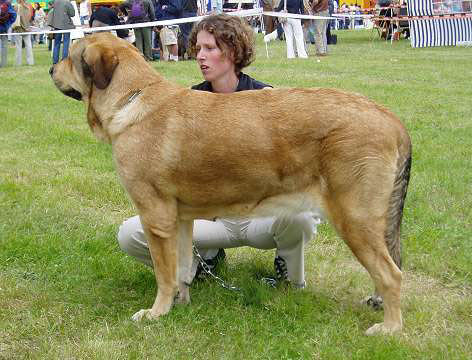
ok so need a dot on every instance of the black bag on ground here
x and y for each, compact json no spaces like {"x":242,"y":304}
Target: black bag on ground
{"x":333,"y":39}
{"x":122,"y":33}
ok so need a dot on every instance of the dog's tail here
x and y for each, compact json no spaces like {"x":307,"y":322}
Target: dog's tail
{"x":395,"y":209}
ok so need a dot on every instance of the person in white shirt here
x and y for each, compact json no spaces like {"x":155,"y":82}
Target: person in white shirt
{"x":85,"y":11}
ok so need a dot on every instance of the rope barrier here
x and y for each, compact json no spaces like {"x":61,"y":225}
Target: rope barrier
{"x":242,"y":13}
{"x":425,"y":17}
{"x":294,"y":16}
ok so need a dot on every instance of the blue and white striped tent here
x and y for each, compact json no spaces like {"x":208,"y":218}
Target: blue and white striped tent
{"x":436,"y":32}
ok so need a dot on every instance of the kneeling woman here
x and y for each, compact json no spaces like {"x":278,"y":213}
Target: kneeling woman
{"x":223,"y":45}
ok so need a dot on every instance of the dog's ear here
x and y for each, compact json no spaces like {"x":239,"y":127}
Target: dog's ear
{"x":99,"y":61}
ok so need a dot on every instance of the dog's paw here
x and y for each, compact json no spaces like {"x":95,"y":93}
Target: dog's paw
{"x":382,"y":329}
{"x":143,"y":314}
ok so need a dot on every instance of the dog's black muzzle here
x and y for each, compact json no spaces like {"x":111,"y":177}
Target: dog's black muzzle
{"x":74,"y":94}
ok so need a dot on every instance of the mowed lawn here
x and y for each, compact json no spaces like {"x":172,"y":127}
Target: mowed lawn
{"x":68,"y":292}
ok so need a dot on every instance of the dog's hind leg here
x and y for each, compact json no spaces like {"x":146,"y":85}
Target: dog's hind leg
{"x":367,"y":242}
{"x":185,"y":257}
{"x":394,"y":220}
{"x":364,"y":233}
{"x":159,"y":220}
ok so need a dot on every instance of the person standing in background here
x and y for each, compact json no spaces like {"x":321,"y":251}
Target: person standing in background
{"x":141,"y":11}
{"x":170,"y":10}
{"x":328,"y":22}
{"x":85,"y":10}
{"x":61,"y":19}
{"x":49,"y":12}
{"x":25,"y":12}
{"x":39,"y":21}
{"x":7,"y":18}
{"x":320,"y":8}
{"x":215,"y":6}
{"x":333,"y":22}
{"x":190,"y":9}
{"x":293,"y":28}
{"x":344,"y":9}
{"x":269,"y":21}
{"x":105,"y":16}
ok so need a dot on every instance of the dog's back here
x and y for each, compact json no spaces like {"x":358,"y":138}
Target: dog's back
{"x":243,"y":151}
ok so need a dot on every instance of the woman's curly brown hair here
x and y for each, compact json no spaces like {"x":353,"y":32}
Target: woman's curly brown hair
{"x":232,"y":36}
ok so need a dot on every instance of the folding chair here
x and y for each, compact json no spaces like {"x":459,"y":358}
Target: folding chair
{"x":382,"y":27}
{"x":402,"y":26}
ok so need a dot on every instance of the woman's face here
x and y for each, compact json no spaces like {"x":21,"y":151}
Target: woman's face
{"x":213,"y":64}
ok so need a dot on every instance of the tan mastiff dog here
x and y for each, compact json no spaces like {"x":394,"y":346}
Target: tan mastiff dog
{"x":183,"y":154}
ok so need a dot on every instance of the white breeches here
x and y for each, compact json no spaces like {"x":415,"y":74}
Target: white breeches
{"x":286,"y":234}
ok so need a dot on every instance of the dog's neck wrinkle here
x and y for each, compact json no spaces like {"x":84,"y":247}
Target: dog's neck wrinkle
{"x":106,"y":127}
{"x":111,"y":114}
{"x":133,"y":94}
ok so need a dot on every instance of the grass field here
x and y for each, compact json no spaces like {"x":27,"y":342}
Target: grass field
{"x":68,"y":292}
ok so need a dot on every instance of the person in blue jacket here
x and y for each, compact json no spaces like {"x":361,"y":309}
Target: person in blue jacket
{"x":189,"y":9}
{"x":7,"y":18}
{"x":171,"y":9}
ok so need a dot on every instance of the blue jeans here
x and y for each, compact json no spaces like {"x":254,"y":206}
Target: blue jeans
{"x":186,"y":29}
{"x":3,"y":50}
{"x":83,"y":18}
{"x":57,"y":46}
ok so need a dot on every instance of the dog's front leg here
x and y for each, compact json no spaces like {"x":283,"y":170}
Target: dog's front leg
{"x":185,"y":237}
{"x":160,"y":227}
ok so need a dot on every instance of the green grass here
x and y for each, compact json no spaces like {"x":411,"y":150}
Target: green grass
{"x":68,"y":292}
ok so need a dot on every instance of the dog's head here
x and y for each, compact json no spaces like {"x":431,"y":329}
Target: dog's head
{"x":91,"y":63}
{"x":90,"y":69}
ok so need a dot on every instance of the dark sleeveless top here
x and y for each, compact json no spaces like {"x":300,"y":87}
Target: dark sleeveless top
{"x":245,"y":83}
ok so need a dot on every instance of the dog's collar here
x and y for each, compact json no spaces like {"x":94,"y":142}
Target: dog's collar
{"x":134,"y":95}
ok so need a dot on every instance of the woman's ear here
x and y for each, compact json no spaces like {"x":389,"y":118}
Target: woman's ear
{"x":227,"y":54}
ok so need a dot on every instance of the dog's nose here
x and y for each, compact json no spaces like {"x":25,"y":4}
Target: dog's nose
{"x":51,"y":70}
